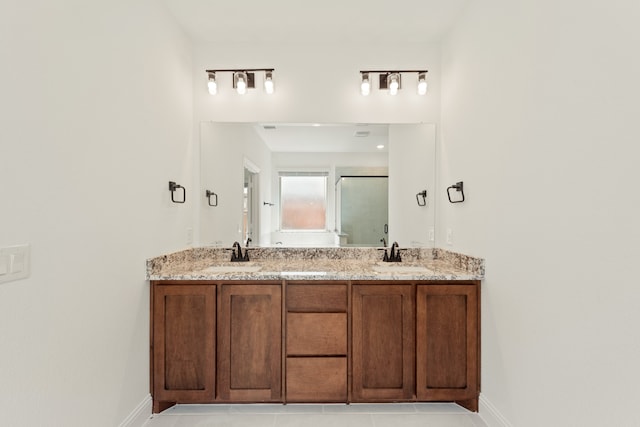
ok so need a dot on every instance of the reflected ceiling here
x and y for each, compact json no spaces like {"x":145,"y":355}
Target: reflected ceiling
{"x":321,"y":138}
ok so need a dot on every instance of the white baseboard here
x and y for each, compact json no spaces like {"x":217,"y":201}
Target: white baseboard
{"x":490,"y":414}
{"x":139,"y":415}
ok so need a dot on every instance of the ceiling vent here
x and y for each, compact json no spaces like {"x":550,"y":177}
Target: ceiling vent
{"x":269,"y":127}
{"x":361,"y":133}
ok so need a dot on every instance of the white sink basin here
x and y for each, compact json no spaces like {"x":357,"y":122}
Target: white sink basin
{"x":303,"y":273}
{"x":236,"y":267}
{"x":398,"y":268}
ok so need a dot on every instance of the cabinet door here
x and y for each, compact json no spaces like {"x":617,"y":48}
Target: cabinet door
{"x":183,"y":350}
{"x":447,"y":342}
{"x":250,"y":343}
{"x":383,"y":351}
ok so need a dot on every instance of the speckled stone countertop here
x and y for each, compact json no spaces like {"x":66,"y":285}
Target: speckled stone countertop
{"x":209,"y":263}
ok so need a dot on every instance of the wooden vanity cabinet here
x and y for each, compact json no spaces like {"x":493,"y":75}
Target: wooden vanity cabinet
{"x":183,"y":345}
{"x":249,"y":343}
{"x":312,"y":341}
{"x":448,"y":341}
{"x":316,"y":342}
{"x":383,"y":342}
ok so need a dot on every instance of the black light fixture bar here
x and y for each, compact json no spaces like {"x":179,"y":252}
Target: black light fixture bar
{"x":393,"y":71}
{"x":237,"y":70}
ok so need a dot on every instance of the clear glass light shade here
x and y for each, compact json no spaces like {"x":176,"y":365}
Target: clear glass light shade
{"x":268,"y":83}
{"x":394,"y":84}
{"x":422,"y":84}
{"x":212,"y":85}
{"x":241,"y":83}
{"x":365,"y":86}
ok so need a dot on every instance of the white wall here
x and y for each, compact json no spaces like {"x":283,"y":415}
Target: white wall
{"x":95,"y":119}
{"x":539,"y":119}
{"x":224,"y":148}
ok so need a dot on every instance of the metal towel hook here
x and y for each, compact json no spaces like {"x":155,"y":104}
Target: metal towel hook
{"x":423,"y":195}
{"x":210,"y":194}
{"x":173,"y":187}
{"x":458,"y":187}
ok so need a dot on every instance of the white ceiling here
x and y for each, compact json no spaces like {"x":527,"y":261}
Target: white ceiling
{"x":333,"y":21}
{"x":319,"y":138}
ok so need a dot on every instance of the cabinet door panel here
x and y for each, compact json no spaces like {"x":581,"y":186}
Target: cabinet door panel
{"x":383,"y":342}
{"x":250,"y":336}
{"x":184,"y":343}
{"x":249,"y":343}
{"x":447,"y":342}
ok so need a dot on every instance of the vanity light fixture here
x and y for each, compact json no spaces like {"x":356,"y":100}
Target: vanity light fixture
{"x":243,"y":79}
{"x":391,"y":80}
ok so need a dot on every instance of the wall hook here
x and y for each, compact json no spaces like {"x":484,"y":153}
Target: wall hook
{"x":173,"y":187}
{"x":422,"y":195}
{"x":458,"y":187}
{"x":210,"y":194}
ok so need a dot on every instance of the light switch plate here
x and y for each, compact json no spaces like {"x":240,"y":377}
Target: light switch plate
{"x":14,"y":263}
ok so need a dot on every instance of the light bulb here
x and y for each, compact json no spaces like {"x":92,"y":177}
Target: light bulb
{"x":268,"y":82}
{"x":422,"y":84}
{"x":241,"y":83}
{"x":211,"y":84}
{"x":394,"y":84}
{"x":365,"y":86}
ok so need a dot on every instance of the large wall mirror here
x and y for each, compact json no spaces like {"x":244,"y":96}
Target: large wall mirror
{"x":317,"y":185}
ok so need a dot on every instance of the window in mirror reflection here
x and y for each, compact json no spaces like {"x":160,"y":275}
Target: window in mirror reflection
{"x":303,"y":201}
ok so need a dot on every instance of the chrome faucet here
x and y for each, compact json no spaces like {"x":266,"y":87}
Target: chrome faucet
{"x":236,"y":254}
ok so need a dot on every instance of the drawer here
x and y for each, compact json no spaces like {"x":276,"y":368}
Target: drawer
{"x":316,"y":298}
{"x":321,"y":334}
{"x":316,"y":379}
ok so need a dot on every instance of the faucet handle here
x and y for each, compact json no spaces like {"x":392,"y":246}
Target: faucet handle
{"x":385,"y":257}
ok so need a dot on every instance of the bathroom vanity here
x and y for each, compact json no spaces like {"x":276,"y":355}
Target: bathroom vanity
{"x":315,"y":326}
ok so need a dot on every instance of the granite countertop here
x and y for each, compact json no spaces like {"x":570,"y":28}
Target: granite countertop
{"x":209,"y":263}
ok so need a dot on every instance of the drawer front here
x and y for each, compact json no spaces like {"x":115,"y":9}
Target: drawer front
{"x":316,"y":379}
{"x":321,"y":334}
{"x":317,"y":298}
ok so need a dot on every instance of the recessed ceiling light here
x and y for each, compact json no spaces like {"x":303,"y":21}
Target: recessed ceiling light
{"x":380,"y":147}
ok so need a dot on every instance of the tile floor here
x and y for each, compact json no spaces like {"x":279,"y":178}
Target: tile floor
{"x":338,"y":415}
